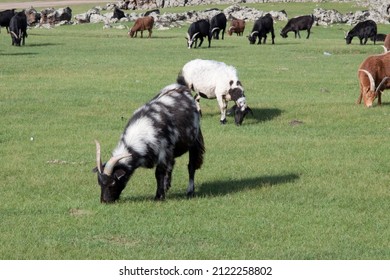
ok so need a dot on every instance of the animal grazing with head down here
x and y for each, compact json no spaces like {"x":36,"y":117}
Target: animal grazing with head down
{"x":5,"y":18}
{"x":261,"y":28}
{"x":218,"y":24}
{"x":298,"y":23}
{"x":141,"y":24}
{"x":165,"y":128}
{"x":236,"y":26}
{"x":212,"y":79}
{"x":363,"y":30}
{"x":18,"y":28}
{"x":198,"y":30}
{"x":374,"y":77}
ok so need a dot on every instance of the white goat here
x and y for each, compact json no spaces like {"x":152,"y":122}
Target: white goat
{"x":212,"y":79}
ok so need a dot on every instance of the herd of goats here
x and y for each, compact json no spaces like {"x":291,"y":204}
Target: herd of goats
{"x":169,"y":125}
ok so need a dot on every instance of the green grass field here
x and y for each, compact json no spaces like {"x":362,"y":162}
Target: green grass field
{"x":307,"y":177}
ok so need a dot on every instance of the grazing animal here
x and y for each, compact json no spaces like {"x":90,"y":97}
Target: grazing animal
{"x":378,"y":37}
{"x":236,"y":26}
{"x":165,"y":128}
{"x":212,"y":79}
{"x":261,"y":28}
{"x":5,"y":18}
{"x":141,"y":24}
{"x":218,"y":24}
{"x":386,"y":44}
{"x":118,"y":13}
{"x":363,"y":30}
{"x":198,"y":30}
{"x":374,"y":77}
{"x":298,"y":23}
{"x":18,"y":28}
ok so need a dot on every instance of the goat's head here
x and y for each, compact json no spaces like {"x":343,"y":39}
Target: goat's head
{"x":112,"y":176}
{"x":231,"y":30}
{"x":371,"y":93}
{"x":131,"y":33}
{"x":348,"y":38}
{"x":252,"y":37}
{"x":191,"y":40}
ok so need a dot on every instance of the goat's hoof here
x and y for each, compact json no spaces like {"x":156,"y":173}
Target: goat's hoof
{"x":223,"y":121}
{"x":190,"y":195}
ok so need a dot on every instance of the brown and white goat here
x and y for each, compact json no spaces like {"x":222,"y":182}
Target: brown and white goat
{"x":374,"y":77}
{"x":236,"y":26}
{"x":141,"y":24}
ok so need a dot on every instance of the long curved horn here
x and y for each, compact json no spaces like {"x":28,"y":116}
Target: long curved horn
{"x":98,"y":157}
{"x":386,"y":50}
{"x":254,"y":33}
{"x":215,"y":28}
{"x":188,"y":36}
{"x":109,"y":167}
{"x":372,"y":82}
{"x":381,"y":83}
{"x":13,"y":33}
{"x":193,"y":36}
{"x":231,"y":28}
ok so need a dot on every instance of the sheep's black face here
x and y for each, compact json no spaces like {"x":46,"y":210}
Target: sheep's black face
{"x":283,"y":34}
{"x":240,"y":113}
{"x":112,"y":186}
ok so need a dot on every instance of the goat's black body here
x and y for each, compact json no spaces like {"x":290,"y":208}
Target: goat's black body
{"x":261,"y":28}
{"x":5,"y":18}
{"x":18,"y":28}
{"x":298,"y":23}
{"x":362,"y":30}
{"x":218,"y":24}
{"x":198,"y":30}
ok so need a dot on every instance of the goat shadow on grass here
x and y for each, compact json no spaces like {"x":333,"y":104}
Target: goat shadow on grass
{"x":264,"y":114}
{"x":219,"y":187}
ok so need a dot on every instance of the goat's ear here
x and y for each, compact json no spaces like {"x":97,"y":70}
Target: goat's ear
{"x":119,"y":174}
{"x":239,"y":83}
{"x":231,"y":82}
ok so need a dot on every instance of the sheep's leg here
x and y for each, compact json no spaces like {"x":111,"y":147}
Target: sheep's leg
{"x":142,"y":33}
{"x":308,"y":34}
{"x":222,"y":106}
{"x":150,"y":33}
{"x":379,"y":98}
{"x":359,"y":100}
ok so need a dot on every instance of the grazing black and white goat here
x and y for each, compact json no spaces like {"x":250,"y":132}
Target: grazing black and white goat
{"x":158,"y":132}
{"x":212,"y":79}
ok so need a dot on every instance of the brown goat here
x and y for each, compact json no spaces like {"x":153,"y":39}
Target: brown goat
{"x":237,"y":26}
{"x":386,"y":45}
{"x":374,"y":77}
{"x":141,"y":24}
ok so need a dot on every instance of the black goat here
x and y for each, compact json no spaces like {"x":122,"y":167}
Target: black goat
{"x":18,"y":28}
{"x":261,"y":28}
{"x":298,"y":23}
{"x":5,"y":18}
{"x":218,"y":24}
{"x":198,"y":30}
{"x":158,"y":132}
{"x":363,"y":30}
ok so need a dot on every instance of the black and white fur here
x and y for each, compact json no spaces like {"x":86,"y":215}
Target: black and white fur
{"x":213,"y":79}
{"x":165,"y":128}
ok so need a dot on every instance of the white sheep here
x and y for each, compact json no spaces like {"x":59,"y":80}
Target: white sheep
{"x":212,"y":79}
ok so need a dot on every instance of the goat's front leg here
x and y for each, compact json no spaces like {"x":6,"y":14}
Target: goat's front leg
{"x":222,"y":106}
{"x":197,"y":102}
